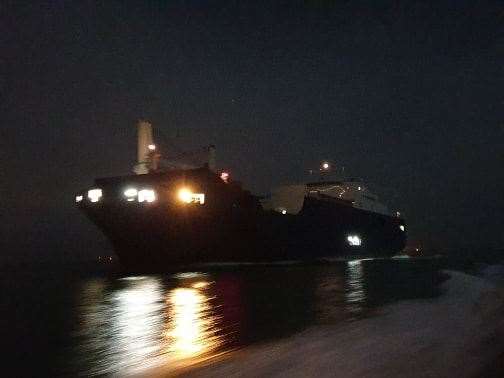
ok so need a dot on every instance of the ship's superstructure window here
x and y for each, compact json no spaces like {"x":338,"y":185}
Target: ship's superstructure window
{"x":146,"y":195}
{"x":143,"y":195}
{"x":199,"y":198}
{"x":94,"y":195}
{"x":130,"y":194}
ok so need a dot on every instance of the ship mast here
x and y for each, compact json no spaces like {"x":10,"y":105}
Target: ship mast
{"x":146,"y":160}
{"x":148,"y":157}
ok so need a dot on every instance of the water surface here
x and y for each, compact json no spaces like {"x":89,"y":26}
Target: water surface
{"x":79,"y":322}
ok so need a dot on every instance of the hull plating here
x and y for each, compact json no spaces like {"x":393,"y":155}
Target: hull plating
{"x":156,"y":237}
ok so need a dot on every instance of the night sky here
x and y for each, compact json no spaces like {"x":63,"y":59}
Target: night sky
{"x":408,"y":95}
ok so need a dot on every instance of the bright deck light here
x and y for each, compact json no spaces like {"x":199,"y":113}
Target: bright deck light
{"x":94,"y":195}
{"x":146,"y":195}
{"x":130,"y":194}
{"x":354,"y":240}
{"x":151,"y":147}
{"x":187,"y":196}
{"x":402,"y":227}
{"x":325,"y":166}
{"x":284,"y":211}
{"x":78,"y":199}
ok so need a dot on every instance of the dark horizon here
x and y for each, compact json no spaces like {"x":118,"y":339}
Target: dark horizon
{"x":407,"y":96}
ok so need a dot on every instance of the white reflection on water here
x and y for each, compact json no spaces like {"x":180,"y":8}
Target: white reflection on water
{"x":138,"y":317}
{"x":138,"y":324}
{"x":355,"y":295}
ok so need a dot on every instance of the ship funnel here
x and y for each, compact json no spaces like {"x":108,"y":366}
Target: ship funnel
{"x":211,"y":158}
{"x":144,"y":148}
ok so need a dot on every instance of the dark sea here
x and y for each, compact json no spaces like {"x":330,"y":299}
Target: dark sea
{"x":93,"y":320}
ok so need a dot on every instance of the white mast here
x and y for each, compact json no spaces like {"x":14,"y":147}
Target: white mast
{"x":145,"y":147}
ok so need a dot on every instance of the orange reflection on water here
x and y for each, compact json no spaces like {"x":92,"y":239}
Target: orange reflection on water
{"x":192,"y":327}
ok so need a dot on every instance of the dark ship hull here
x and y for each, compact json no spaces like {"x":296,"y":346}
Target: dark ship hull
{"x":231,"y":226}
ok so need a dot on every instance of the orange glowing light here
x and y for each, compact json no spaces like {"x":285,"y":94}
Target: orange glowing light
{"x":191,"y":331}
{"x":185,"y":195}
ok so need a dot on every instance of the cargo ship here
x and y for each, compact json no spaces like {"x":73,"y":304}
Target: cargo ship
{"x":181,"y":214}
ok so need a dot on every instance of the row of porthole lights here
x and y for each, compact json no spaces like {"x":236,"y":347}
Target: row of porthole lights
{"x":144,"y":195}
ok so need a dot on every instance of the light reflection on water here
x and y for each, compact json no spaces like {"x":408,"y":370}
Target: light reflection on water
{"x":142,"y":325}
{"x":355,"y":294}
{"x":129,"y":326}
{"x":341,"y":294}
{"x":192,"y":328}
